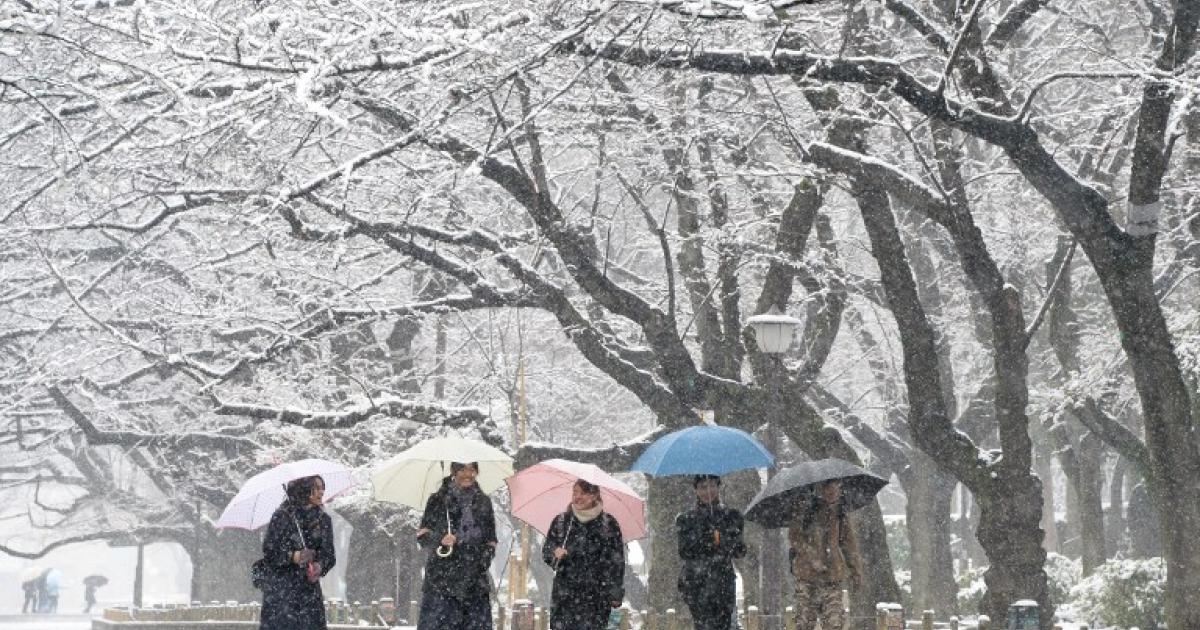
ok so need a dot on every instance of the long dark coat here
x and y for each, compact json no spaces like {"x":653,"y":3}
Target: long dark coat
{"x":290,"y":601}
{"x":591,"y":576}
{"x":710,"y":537}
{"x":457,"y":589}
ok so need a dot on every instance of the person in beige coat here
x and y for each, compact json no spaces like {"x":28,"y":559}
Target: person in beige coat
{"x":824,"y":557}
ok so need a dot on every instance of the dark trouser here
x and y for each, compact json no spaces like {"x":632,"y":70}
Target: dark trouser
{"x":710,"y":617}
{"x":441,"y":611}
{"x":30,"y":605}
{"x":579,"y":614}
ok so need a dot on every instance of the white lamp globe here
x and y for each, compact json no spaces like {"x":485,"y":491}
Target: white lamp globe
{"x":773,"y":330}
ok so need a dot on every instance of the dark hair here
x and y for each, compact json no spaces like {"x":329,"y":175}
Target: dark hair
{"x":699,"y":479}
{"x":588,"y":487}
{"x":300,"y":490}
{"x":457,"y":466}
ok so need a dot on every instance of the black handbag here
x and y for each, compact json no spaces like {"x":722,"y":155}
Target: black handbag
{"x":259,"y":573}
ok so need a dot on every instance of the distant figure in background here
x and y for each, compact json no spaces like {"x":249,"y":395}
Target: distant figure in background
{"x":89,"y":597}
{"x":90,"y":584}
{"x":298,"y":548}
{"x":31,"y":588}
{"x":48,"y":595}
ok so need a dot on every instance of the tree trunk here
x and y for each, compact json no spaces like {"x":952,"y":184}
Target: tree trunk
{"x":1089,"y":493}
{"x":927,"y":510}
{"x":1170,"y":429}
{"x":667,"y":497}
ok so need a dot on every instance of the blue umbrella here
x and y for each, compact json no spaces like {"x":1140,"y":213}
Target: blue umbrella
{"x":705,"y":450}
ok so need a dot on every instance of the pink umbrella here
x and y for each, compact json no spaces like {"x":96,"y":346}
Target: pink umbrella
{"x":543,"y":491}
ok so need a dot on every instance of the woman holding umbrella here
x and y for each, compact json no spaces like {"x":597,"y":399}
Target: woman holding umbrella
{"x":459,"y":529}
{"x":298,"y":547}
{"x":585,"y":547}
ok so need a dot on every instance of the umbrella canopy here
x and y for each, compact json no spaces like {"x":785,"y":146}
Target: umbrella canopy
{"x":412,"y":475}
{"x":543,"y":491}
{"x":261,"y":494}
{"x":95,"y":580}
{"x":788,"y":492}
{"x":706,"y":450}
{"x":31,"y":573}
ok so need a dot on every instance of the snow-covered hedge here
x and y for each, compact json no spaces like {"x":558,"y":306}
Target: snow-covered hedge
{"x":1123,"y":594}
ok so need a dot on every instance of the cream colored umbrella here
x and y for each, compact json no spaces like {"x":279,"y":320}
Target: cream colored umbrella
{"x":412,"y":475}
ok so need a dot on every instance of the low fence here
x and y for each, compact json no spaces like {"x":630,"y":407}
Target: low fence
{"x":522,"y":615}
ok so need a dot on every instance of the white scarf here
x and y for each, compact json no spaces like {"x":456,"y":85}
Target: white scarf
{"x":589,"y":514}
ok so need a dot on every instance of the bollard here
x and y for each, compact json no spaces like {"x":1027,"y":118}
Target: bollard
{"x":789,"y":618}
{"x":752,"y":619}
{"x":985,"y":622}
{"x":501,"y":617}
{"x":414,"y":612}
{"x":1058,"y":626}
{"x":672,"y":620}
{"x":538,"y":613}
{"x":927,"y":620}
{"x":650,"y":620}
{"x":953,"y":623}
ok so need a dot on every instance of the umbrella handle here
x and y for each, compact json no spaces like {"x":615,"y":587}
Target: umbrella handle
{"x":564,"y":544}
{"x":443,"y":551}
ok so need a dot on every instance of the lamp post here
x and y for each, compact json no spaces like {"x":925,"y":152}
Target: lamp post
{"x":773,"y":333}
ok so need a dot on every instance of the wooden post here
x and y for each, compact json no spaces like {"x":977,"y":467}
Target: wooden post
{"x":985,"y":622}
{"x":387,"y":610}
{"x":500,"y":617}
{"x":626,"y":618}
{"x":672,"y":619}
{"x":927,"y":620}
{"x":414,"y":612}
{"x":954,"y":623}
{"x":789,"y":618}
{"x":650,"y":620}
{"x":752,"y":620}
{"x":880,"y":618}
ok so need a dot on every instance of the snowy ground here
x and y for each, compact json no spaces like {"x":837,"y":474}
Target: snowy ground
{"x":59,"y":622}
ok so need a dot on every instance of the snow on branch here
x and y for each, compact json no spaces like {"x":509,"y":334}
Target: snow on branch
{"x":423,"y":413}
{"x":145,"y":534}
{"x":618,"y":457}
{"x":131,"y":439}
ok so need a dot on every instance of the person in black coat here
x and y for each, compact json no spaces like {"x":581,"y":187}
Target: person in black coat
{"x":710,"y":537}
{"x":298,"y":551}
{"x":585,"y":547}
{"x":459,"y":529}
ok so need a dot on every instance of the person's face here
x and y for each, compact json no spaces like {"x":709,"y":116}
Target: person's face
{"x":583,"y":500}
{"x":318,"y":493}
{"x":831,"y":492}
{"x":708,"y":491}
{"x":465,"y":476}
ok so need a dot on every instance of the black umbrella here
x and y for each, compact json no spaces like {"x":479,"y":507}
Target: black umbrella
{"x":95,"y":580}
{"x":793,"y":488}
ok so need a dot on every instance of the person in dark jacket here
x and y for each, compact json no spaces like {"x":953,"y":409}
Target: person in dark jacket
{"x":824,"y":554}
{"x":585,"y":547}
{"x":710,"y":537}
{"x":298,"y":551}
{"x":459,"y":529}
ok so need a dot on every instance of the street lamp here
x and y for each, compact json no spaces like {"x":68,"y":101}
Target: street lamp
{"x":773,"y":330}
